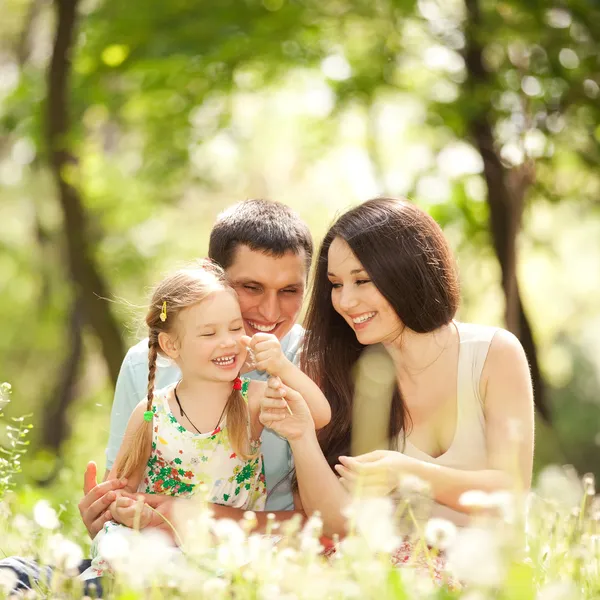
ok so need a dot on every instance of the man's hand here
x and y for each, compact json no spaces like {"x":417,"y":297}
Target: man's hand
{"x":93,"y":507}
{"x":268,"y":355}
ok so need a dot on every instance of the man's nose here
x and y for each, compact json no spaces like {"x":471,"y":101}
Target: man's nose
{"x":269,"y":307}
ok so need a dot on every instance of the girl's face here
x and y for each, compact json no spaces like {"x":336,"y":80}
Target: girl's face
{"x":355,"y":297}
{"x":209,"y":335}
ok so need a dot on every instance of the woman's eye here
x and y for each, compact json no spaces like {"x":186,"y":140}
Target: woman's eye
{"x":335,"y":286}
{"x":362,"y":281}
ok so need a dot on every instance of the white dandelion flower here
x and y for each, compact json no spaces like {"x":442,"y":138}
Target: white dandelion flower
{"x":474,"y":499}
{"x":373,"y":519}
{"x":475,"y":557}
{"x":558,"y":591}
{"x":45,"y":516}
{"x":66,"y":554}
{"x":439,"y":533}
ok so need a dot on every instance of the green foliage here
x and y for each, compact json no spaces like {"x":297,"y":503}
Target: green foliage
{"x":12,"y":442}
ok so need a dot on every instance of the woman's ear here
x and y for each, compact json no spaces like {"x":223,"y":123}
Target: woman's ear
{"x":168,"y":345}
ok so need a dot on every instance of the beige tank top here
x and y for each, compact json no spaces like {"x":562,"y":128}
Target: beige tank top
{"x":468,"y":449}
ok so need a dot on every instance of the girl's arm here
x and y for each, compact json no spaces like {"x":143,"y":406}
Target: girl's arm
{"x":509,"y":416}
{"x":269,"y":357}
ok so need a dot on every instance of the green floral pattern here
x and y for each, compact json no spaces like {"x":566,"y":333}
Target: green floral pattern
{"x":181,"y":460}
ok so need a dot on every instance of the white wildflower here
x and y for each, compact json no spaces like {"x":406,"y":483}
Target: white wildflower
{"x":373,"y":519}
{"x":8,"y":580}
{"x":506,"y":502}
{"x":215,"y":587}
{"x":45,"y":516}
{"x":229,"y":531}
{"x":559,"y":485}
{"x":5,"y":389}
{"x":559,"y":591}
{"x":66,"y":554}
{"x":589,"y":484}
{"x":411,"y":485}
{"x":474,"y":499}
{"x":23,"y":525}
{"x":310,"y":534}
{"x":475,"y":557}
{"x":152,"y":558}
{"x":115,"y":544}
{"x":439,"y":533}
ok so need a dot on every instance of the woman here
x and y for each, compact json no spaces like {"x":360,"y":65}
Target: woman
{"x":462,"y":412}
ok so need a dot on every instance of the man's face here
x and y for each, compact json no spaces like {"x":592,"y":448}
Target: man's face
{"x":270,"y":289}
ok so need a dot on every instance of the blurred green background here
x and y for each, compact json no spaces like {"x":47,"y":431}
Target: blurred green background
{"x":126,"y":127}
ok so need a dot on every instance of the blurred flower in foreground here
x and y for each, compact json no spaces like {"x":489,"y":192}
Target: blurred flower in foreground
{"x":66,"y":555}
{"x":559,"y":485}
{"x":439,"y":533}
{"x":373,"y":519}
{"x":45,"y":516}
{"x":475,"y":557}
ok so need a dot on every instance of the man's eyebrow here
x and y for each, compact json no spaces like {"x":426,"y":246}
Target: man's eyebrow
{"x":298,"y":284}
{"x":241,"y":280}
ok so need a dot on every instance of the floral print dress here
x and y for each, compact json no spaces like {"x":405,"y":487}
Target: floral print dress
{"x":182,"y":460}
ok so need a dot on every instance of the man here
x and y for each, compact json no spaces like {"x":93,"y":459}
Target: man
{"x":266,"y":251}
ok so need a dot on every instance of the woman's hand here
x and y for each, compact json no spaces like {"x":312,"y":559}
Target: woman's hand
{"x":373,"y":474}
{"x":275,"y":415}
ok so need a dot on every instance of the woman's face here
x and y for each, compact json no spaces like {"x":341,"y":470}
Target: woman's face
{"x":355,"y":297}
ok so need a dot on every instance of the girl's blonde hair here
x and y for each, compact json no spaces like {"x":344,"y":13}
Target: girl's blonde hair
{"x":180,"y":290}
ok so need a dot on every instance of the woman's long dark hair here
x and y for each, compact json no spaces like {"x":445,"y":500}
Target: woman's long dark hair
{"x":408,"y":259}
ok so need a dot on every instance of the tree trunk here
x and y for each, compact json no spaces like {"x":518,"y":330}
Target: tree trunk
{"x":55,"y":426}
{"x":90,"y":286}
{"x":505,"y":198}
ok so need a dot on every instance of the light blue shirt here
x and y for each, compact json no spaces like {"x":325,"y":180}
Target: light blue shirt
{"x":132,"y":386}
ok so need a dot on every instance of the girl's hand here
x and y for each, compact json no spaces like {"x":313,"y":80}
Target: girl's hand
{"x":268,"y":355}
{"x":275,"y":415}
{"x":376,"y":473}
{"x":125,"y":510}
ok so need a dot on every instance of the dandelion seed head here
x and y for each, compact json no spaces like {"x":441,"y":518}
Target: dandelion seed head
{"x":45,"y":516}
{"x":439,"y":533}
{"x":475,"y":499}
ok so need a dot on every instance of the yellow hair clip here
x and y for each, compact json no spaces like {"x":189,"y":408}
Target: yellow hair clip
{"x":163,"y":312}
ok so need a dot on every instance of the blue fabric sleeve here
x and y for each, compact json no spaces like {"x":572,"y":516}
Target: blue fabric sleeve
{"x":128,"y":394}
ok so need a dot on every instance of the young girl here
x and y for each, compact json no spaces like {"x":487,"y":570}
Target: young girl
{"x":204,"y":429}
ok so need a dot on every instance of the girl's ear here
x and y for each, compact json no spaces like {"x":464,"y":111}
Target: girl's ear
{"x":168,"y":345}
